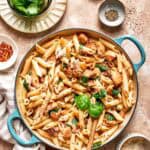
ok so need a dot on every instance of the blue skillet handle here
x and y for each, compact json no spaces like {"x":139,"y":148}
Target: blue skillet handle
{"x":139,"y":46}
{"x":15,"y":115}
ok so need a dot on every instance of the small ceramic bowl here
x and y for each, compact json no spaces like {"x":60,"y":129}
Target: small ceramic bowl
{"x":134,"y":137}
{"x":47,"y":4}
{"x":13,"y":58}
{"x":115,"y":5}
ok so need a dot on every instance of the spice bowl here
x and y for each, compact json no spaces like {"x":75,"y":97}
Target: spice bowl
{"x":8,"y":40}
{"x":112,"y":13}
{"x":134,"y":141}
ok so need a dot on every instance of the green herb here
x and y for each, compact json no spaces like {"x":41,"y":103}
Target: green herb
{"x":81,"y":46}
{"x":32,"y":10}
{"x":82,"y":101}
{"x":60,"y":80}
{"x":109,"y":117}
{"x":84,"y":79}
{"x":95,"y":109}
{"x":26,"y":85}
{"x":65,"y":65}
{"x":30,"y":73}
{"x":115,"y":92}
{"x":74,"y":121}
{"x":69,"y":125}
{"x":97,"y":95}
{"x":96,"y":146}
{"x":101,"y":68}
{"x":53,"y":111}
{"x":28,"y":7}
{"x":100,"y":95}
{"x":96,"y":78}
{"x":103,"y":93}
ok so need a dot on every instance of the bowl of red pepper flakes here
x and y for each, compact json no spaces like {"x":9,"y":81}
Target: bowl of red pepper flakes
{"x":8,"y":52}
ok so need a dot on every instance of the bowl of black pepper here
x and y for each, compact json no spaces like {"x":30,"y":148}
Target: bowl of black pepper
{"x":112,"y":13}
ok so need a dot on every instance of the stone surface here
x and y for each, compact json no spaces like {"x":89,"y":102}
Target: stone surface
{"x":84,"y":13}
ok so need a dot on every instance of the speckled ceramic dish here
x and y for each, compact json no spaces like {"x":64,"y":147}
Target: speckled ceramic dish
{"x":133,"y":138}
{"x":41,"y":23}
{"x":112,"y":5}
{"x":13,"y":58}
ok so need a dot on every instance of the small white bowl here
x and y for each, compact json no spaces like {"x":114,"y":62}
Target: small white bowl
{"x":13,"y":58}
{"x":112,"y":5}
{"x":131,"y":137}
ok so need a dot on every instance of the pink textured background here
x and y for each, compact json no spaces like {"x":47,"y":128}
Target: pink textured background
{"x":84,"y":13}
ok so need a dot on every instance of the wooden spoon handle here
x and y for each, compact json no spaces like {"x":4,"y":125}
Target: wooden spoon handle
{"x":91,"y":138}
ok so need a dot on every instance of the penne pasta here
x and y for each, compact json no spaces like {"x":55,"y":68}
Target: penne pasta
{"x":75,"y":91}
{"x":76,"y":43}
{"x":116,"y":115}
{"x":36,"y":68}
{"x":42,"y":62}
{"x":27,"y":65}
{"x":34,"y":92}
{"x":44,"y":134}
{"x":40,"y":49}
{"x":35,"y":104}
{"x":41,"y":124}
{"x":50,"y":51}
{"x":62,"y":94}
{"x":108,"y":44}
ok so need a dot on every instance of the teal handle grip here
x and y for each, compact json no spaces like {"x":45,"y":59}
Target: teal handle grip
{"x":15,"y":115}
{"x":138,"y":45}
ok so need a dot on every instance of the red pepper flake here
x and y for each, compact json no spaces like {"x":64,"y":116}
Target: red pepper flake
{"x":6,"y":51}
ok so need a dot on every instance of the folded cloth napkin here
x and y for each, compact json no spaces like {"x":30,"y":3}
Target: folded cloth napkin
{"x":7,"y":106}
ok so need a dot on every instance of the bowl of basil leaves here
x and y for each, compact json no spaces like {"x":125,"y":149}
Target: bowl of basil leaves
{"x":29,"y":8}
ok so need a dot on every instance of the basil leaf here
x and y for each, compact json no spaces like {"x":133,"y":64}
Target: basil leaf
{"x":101,"y":68}
{"x":96,"y":146}
{"x":53,"y":110}
{"x":115,"y":92}
{"x":100,"y":95}
{"x":109,"y":117}
{"x":84,"y":79}
{"x":32,"y":10}
{"x":81,"y":46}
{"x":26,"y":85}
{"x":74,"y":121}
{"x":65,"y":65}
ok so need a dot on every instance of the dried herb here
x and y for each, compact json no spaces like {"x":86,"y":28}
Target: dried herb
{"x":111,"y":15}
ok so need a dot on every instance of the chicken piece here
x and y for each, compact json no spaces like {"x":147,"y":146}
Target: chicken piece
{"x":58,"y":87}
{"x":91,"y":44}
{"x":116,"y":115}
{"x":116,"y":77}
{"x":51,"y":106}
{"x":100,"y":48}
{"x":94,"y":85}
{"x":59,"y":52}
{"x":64,"y":118}
{"x":110,"y":55}
{"x":67,"y":133}
{"x":91,"y":73}
{"x":83,"y":38}
{"x":55,"y":115}
{"x":87,"y":51}
{"x":74,"y":69}
{"x":83,"y":65}
{"x":52,"y":132}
